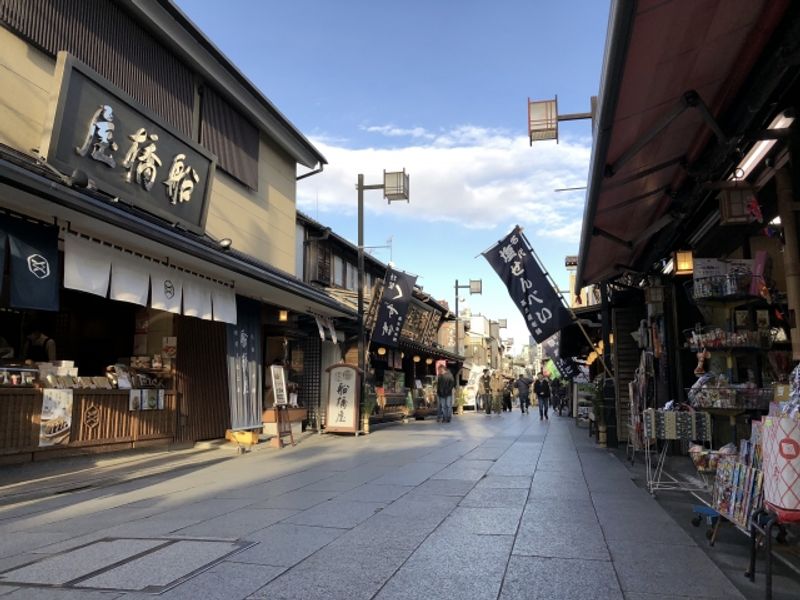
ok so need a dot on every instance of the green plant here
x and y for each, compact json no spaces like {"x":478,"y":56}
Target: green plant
{"x":368,"y":407}
{"x":460,"y":397}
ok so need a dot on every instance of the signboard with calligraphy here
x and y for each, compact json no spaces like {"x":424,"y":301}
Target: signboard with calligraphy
{"x":342,"y":404}
{"x":279,"y":385}
{"x":412,"y":328}
{"x":432,"y":328}
{"x":567,"y":367}
{"x":125,"y":150}
{"x":513,"y":260}
{"x":393,"y":307}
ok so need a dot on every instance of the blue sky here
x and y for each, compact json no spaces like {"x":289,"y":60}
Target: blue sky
{"x":438,"y":88}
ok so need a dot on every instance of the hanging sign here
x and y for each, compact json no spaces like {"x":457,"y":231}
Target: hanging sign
{"x":567,"y":367}
{"x":513,"y":260}
{"x":127,"y":151}
{"x":393,"y":307}
{"x":35,"y":271}
{"x":341,"y":407}
{"x":279,"y":385}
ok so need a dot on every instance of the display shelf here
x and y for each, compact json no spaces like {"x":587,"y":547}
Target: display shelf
{"x":716,"y":339}
{"x":724,"y":289}
{"x":731,"y":398}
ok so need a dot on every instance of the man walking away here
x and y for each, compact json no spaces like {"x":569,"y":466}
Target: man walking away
{"x":444,"y":389}
{"x":508,"y":391}
{"x":542,"y":390}
{"x":485,"y":386}
{"x":523,"y":384}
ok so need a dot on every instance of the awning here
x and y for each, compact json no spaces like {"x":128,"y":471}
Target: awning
{"x":670,"y":69}
{"x":90,"y":264}
{"x":29,"y":189}
{"x":573,"y":342}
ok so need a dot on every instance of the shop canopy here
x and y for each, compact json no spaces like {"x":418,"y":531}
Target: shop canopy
{"x":671,"y":68}
{"x":28,"y":188}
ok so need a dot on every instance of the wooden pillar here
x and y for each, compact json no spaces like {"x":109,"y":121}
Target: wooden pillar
{"x":791,"y":252}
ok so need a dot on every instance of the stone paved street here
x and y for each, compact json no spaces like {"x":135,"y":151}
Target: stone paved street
{"x":501,"y":507}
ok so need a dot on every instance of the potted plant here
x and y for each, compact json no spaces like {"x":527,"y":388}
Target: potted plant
{"x":367,"y":408}
{"x":460,"y":400}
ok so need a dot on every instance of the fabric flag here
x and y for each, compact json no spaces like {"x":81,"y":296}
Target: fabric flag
{"x":393,"y":307}
{"x":166,"y":289}
{"x":35,"y":270}
{"x":513,"y":260}
{"x":130,"y":278}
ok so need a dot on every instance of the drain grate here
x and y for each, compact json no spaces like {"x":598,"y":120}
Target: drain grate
{"x":150,"y":565}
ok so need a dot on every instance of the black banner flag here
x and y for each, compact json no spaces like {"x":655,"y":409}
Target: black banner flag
{"x":393,"y":307}
{"x":35,"y":270}
{"x":513,"y":260}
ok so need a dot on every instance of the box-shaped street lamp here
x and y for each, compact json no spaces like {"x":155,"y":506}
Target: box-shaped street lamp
{"x":542,"y":120}
{"x":396,"y":185}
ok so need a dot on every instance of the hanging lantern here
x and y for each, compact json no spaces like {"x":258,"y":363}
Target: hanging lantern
{"x":428,"y":361}
{"x":416,"y":359}
{"x":684,"y":262}
{"x":381,"y":351}
{"x":736,"y":205}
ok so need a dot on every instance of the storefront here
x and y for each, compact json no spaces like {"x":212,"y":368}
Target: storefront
{"x":149,"y":329}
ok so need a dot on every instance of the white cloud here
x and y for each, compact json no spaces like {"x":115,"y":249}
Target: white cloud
{"x":464,"y":176}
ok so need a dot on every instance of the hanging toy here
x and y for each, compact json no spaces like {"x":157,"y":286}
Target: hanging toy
{"x":702,"y":356}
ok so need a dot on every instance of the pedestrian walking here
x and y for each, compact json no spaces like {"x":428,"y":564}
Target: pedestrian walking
{"x":485,"y":392}
{"x":508,"y":391}
{"x":541,"y":388}
{"x":497,"y":392}
{"x":523,"y":385}
{"x":444,"y":390}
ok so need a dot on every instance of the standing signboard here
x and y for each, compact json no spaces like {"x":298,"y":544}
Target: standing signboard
{"x":279,"y":385}
{"x":341,"y":407}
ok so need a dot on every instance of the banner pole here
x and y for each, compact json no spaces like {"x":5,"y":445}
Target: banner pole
{"x":575,"y":319}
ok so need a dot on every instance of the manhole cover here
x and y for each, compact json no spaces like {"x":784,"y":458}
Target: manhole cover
{"x":149,"y":565}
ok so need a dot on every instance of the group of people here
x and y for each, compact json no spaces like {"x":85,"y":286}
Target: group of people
{"x":490,"y":387}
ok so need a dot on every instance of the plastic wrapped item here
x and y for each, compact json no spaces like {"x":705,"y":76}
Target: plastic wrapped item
{"x":704,"y":460}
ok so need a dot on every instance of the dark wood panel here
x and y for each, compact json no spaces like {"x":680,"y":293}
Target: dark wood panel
{"x":202,"y":379}
{"x":20,"y":410}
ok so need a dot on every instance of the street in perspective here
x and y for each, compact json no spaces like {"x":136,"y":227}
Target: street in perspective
{"x":501,"y":506}
{"x":242,"y":357}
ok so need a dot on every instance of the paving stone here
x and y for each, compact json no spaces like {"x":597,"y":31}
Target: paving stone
{"x":224,"y":581}
{"x":698,"y":576}
{"x":297,"y":500}
{"x":62,"y":568}
{"x":534,"y":578}
{"x":486,"y":521}
{"x":412,"y":474}
{"x":391,"y":531}
{"x":452,"y":565}
{"x":446,"y":487}
{"x":336,"y":571}
{"x":14,"y":543}
{"x":336,"y":513}
{"x":33,"y":593}
{"x":161,"y":567}
{"x":286,"y":544}
{"x":504,"y":481}
{"x":237,"y":524}
{"x":371,"y":492}
{"x":568,"y":539}
{"x":7,"y":589}
{"x":495,"y":498}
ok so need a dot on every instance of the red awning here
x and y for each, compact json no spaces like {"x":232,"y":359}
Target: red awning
{"x":657,"y":52}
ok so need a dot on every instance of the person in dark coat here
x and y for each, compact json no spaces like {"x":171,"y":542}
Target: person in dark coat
{"x":508,"y":391}
{"x":523,"y":384}
{"x":542,"y":390}
{"x":485,"y":392}
{"x":444,"y":390}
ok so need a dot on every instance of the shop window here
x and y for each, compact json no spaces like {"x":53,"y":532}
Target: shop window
{"x":338,"y":271}
{"x":352,"y":277}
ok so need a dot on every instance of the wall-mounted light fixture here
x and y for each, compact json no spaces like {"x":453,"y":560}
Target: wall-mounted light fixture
{"x":381,"y":351}
{"x":225,"y":243}
{"x":684,"y":262}
{"x":428,"y":361}
{"x":283,"y":315}
{"x":416,"y":358}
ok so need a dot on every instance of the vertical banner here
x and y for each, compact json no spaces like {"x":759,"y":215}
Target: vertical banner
{"x":513,"y":260}
{"x":35,"y":271}
{"x":393,"y":307}
{"x":244,"y":365}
